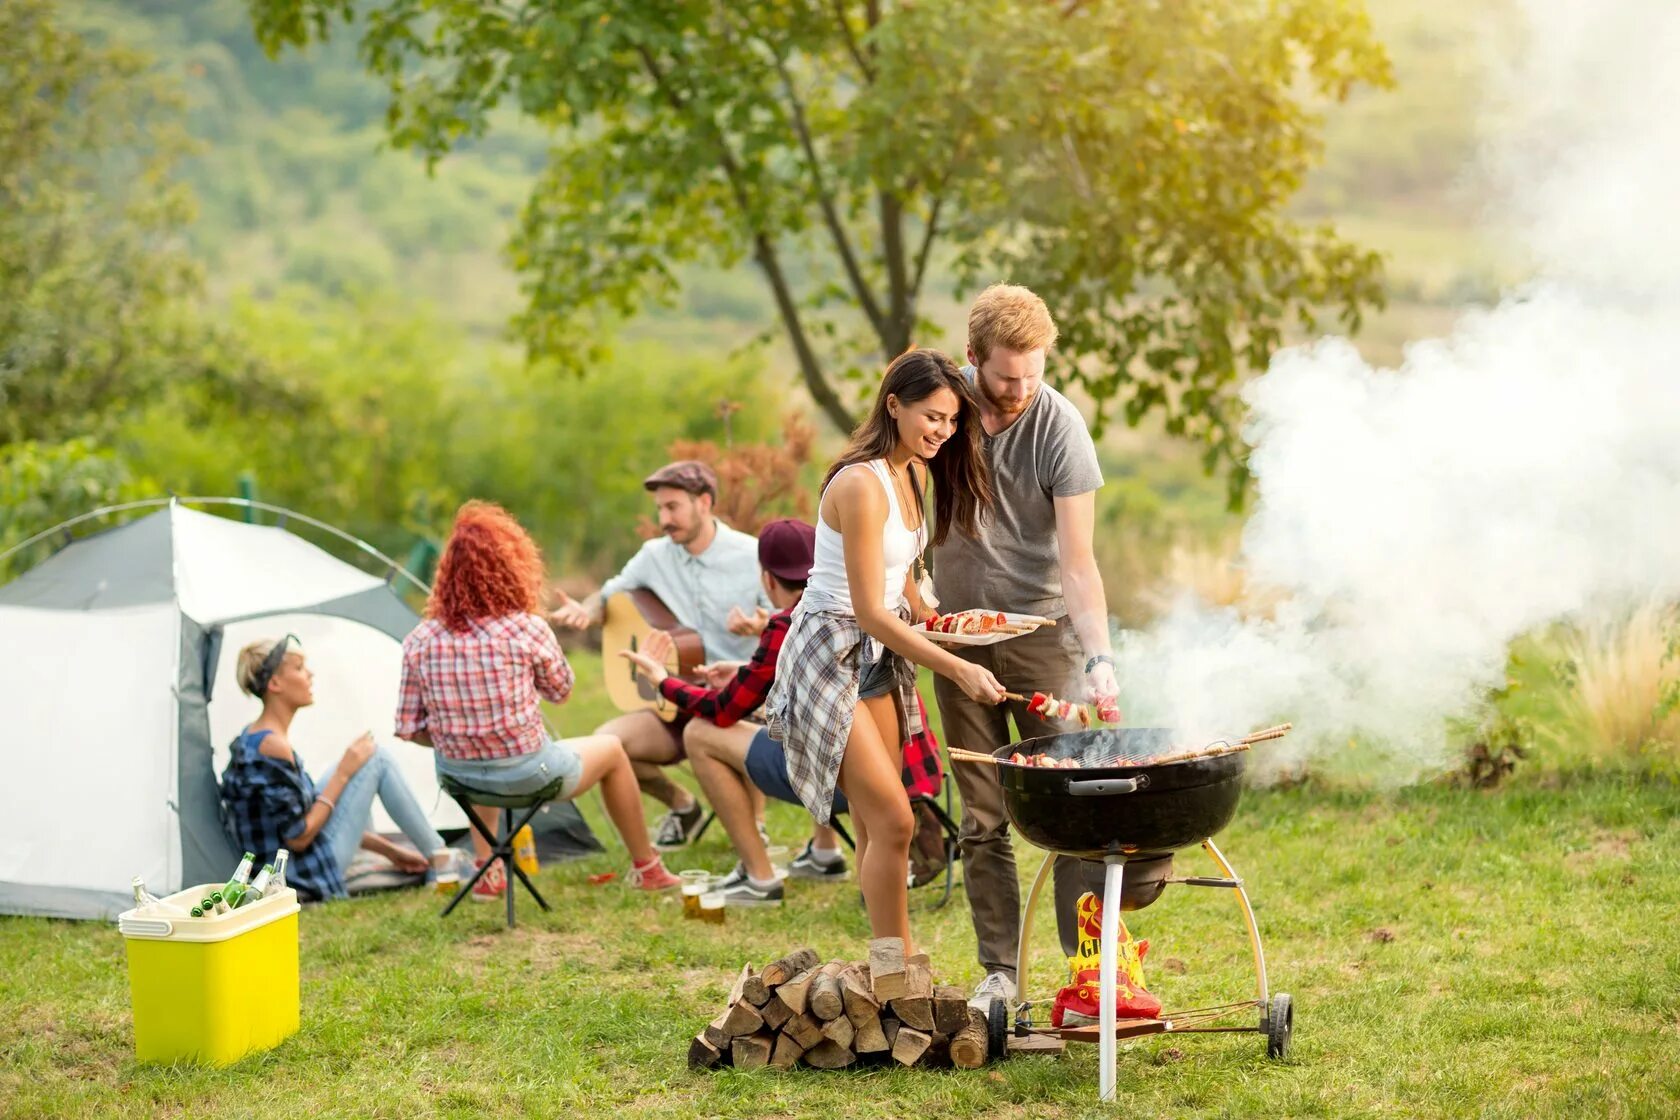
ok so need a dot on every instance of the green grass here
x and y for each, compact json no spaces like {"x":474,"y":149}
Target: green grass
{"x":1451,"y":953}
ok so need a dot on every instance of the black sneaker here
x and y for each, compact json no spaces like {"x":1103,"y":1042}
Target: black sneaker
{"x":742,"y":891}
{"x":805,"y":866}
{"x":677,"y":827}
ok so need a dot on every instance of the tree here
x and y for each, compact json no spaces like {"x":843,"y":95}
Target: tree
{"x":1129,"y":160}
{"x":92,"y":263}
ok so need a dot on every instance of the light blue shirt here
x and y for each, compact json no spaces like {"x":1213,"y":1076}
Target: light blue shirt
{"x":699,"y":590}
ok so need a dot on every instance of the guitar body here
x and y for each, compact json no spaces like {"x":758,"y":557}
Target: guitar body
{"x":629,"y":617}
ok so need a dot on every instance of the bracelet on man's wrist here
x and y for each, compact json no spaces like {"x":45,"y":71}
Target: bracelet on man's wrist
{"x":1099,"y":659}
{"x":327,"y":801}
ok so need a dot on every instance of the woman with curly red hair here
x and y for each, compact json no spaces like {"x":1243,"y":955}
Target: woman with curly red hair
{"x":473,"y":673}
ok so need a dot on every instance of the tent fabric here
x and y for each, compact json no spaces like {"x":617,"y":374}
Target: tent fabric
{"x":118,"y":681}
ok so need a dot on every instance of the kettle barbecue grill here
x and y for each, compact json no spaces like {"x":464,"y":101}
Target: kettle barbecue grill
{"x":1127,"y":807}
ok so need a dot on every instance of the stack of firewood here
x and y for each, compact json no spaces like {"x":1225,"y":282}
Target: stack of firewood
{"x":832,"y":1015}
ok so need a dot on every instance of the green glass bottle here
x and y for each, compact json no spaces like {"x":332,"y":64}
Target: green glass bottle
{"x":218,"y":902}
{"x":197,"y":912}
{"x":235,"y":889}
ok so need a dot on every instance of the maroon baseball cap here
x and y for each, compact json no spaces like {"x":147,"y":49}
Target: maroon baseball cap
{"x":685,"y":474}
{"x":786,"y":549}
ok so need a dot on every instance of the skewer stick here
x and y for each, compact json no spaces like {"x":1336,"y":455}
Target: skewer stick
{"x":1277,"y":732}
{"x":959,"y":755}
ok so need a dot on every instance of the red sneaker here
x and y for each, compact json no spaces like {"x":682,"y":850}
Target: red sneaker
{"x":652,"y":876}
{"x":490,"y":885}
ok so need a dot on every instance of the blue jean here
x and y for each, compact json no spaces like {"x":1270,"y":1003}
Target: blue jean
{"x":353,"y":815}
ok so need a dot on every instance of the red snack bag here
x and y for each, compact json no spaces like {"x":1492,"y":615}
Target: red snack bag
{"x":603,"y":877}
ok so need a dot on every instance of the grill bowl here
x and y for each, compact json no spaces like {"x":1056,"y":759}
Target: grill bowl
{"x":1174,"y":805}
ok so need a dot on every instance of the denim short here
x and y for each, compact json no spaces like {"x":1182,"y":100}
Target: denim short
{"x":523,"y":773}
{"x":767,"y":769}
{"x":879,"y":677}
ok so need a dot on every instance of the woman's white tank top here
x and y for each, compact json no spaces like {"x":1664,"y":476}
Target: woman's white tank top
{"x":827,"y":589}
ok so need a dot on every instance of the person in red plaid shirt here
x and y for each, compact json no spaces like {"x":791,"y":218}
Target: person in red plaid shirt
{"x":731,"y":757}
{"x":472,"y":675}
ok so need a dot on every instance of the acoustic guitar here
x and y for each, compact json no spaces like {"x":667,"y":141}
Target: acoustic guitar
{"x":629,"y":617}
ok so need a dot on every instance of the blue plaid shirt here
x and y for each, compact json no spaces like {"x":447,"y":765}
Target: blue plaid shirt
{"x":265,"y":800}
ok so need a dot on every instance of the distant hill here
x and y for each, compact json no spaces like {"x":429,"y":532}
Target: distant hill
{"x":296,"y":183}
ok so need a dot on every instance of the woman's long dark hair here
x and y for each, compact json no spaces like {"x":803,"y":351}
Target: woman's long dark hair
{"x":962,"y":483}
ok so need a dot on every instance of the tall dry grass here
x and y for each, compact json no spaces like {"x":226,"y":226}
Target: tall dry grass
{"x":1621,"y":668}
{"x":1209,"y":571}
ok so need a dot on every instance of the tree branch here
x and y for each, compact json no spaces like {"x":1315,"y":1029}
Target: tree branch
{"x":928,"y":235}
{"x":764,"y":253}
{"x":897,"y":338}
{"x":825,"y":199}
{"x":851,"y":41}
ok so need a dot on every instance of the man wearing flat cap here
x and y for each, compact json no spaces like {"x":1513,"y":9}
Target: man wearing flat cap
{"x":701,"y":569}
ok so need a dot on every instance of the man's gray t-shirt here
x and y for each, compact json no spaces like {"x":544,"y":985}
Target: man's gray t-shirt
{"x":1015,"y":562}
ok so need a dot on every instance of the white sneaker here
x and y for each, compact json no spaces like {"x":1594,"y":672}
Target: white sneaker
{"x":995,"y":985}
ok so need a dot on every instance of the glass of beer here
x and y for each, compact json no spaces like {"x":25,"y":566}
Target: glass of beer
{"x":694,"y":884}
{"x":778,"y":854}
{"x":711,"y":907}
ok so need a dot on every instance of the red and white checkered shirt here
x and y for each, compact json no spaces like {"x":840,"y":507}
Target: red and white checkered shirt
{"x":475,"y":691}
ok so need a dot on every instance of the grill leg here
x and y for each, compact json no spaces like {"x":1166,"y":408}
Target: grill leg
{"x":1248,"y":917}
{"x":1026,"y":934}
{"x":1114,"y":876}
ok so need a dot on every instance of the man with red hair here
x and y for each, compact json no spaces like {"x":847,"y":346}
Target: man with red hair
{"x":472,"y":675}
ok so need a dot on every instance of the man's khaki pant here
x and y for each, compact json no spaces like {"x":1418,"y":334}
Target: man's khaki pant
{"x":1047,"y":660}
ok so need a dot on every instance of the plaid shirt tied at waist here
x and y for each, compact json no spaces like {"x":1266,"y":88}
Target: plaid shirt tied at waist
{"x":815,"y":695}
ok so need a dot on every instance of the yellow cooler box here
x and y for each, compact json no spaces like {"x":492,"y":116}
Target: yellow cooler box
{"x":212,"y":989}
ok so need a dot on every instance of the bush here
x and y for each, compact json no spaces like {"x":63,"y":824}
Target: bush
{"x":1618,"y":674}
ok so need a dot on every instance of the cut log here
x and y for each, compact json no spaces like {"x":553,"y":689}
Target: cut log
{"x":914,"y":1011}
{"x":795,"y":992}
{"x":918,"y":977}
{"x":780,"y":972}
{"x":702,"y":1054}
{"x":775,"y":1012}
{"x":870,"y":1038}
{"x":886,"y":968}
{"x":950,"y":1009}
{"x":968,"y":1045}
{"x":828,"y":1054}
{"x":840,"y":1030}
{"x":910,"y":1045}
{"x":714,"y":1032}
{"x":755,"y":991}
{"x":861,"y":1005}
{"x":740,"y":985}
{"x":787,"y":1052}
{"x":752,"y":1052}
{"x":805,"y":1029}
{"x":825,"y":999}
{"x":890,"y":1028}
{"x":743,"y":1018}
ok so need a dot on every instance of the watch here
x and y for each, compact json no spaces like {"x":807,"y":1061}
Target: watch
{"x":1099,"y":659}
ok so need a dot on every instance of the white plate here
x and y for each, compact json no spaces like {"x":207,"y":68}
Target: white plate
{"x":992,"y":638}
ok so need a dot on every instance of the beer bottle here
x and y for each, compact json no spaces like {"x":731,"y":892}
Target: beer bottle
{"x":143,"y":898}
{"x":235,"y":889}
{"x":260,"y":885}
{"x":197,"y":912}
{"x":220,"y":903}
{"x":281,"y":858}
{"x":208,"y":905}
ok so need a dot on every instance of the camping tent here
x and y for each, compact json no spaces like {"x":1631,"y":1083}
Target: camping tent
{"x":117,"y":682}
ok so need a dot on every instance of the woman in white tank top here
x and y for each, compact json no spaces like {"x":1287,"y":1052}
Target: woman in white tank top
{"x":844,"y":697}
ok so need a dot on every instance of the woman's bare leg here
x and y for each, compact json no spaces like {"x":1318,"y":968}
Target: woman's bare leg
{"x":492,"y":819}
{"x":870,"y":777}
{"x":604,"y":761}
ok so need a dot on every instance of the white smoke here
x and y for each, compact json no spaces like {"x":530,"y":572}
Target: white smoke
{"x":1523,"y":470}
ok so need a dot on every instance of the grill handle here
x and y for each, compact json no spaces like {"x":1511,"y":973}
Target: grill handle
{"x":1099,"y":787}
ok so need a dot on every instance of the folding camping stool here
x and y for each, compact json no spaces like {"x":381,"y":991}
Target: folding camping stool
{"x":501,"y":847}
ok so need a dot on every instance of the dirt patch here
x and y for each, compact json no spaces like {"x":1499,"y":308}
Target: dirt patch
{"x":1382,"y":935}
{"x":1174,"y":966}
{"x":535,"y":948}
{"x":1606,"y":847}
